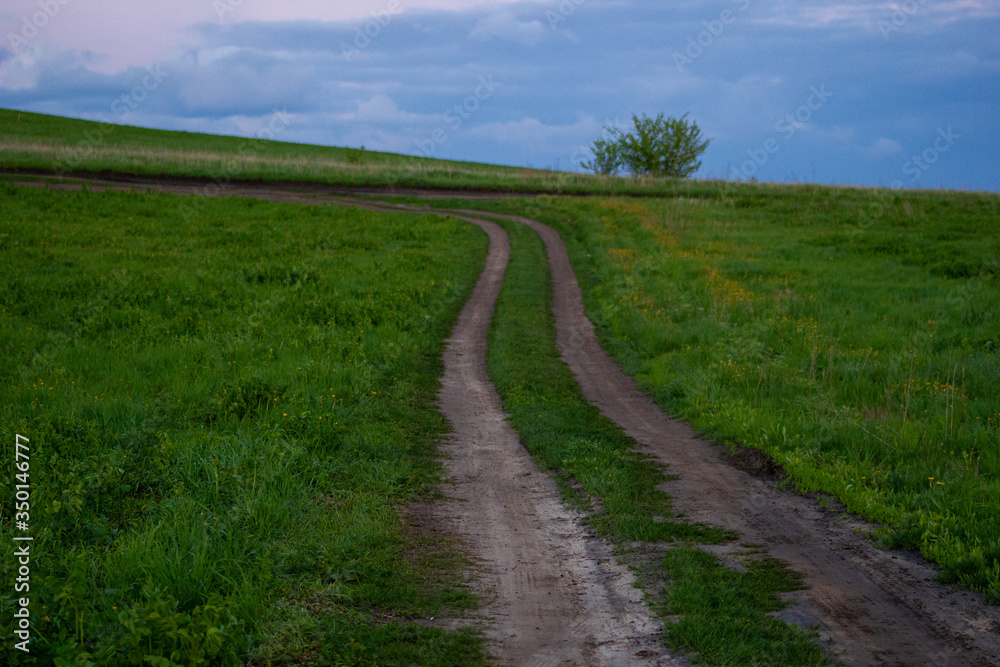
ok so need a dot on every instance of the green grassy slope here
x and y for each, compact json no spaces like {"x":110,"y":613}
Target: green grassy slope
{"x":224,"y":415}
{"x":30,"y":141}
{"x":851,"y":335}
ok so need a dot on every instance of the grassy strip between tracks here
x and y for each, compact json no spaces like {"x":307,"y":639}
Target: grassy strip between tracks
{"x":225,"y":413}
{"x":720,"y":614}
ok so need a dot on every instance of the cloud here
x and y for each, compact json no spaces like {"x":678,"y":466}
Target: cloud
{"x":942,"y":68}
{"x":19,"y":71}
{"x":532,"y":132}
{"x":870,"y":16}
{"x":230,"y":81}
{"x":504,"y":26}
{"x":883,"y":147}
{"x":382,"y":109}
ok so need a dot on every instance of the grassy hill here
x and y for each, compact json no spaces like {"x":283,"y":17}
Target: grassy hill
{"x":849,"y":333}
{"x":39,"y":142}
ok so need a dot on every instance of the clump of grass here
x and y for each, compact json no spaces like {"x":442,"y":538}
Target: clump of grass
{"x":724,"y":613}
{"x":355,"y":155}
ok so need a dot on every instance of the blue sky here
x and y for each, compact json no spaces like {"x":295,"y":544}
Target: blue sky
{"x":868,"y":93}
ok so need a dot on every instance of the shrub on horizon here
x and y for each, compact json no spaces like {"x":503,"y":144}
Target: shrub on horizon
{"x":666,"y":147}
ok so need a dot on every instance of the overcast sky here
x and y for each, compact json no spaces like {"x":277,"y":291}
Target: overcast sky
{"x":905,"y":94}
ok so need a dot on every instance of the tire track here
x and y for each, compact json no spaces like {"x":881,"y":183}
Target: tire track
{"x":553,"y":595}
{"x":878,"y":607}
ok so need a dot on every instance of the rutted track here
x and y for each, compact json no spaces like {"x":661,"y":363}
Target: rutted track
{"x":877,"y":607}
{"x":553,"y":595}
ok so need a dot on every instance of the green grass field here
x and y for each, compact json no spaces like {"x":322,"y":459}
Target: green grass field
{"x":225,"y":416}
{"x":852,"y":335}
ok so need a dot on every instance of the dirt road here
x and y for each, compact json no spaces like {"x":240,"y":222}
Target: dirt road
{"x":553,"y":595}
{"x":878,"y":607}
{"x":558,"y":598}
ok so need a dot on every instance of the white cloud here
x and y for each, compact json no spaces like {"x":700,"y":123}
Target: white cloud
{"x":382,"y":109}
{"x":20,"y":72}
{"x":882,"y":147}
{"x":505,"y":26}
{"x":870,"y":15}
{"x":209,"y":56}
{"x":23,"y":69}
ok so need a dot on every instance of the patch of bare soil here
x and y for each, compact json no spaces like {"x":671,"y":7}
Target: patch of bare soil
{"x":755,"y":462}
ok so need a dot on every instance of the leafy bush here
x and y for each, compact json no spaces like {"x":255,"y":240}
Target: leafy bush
{"x":607,"y":157}
{"x":667,"y":147}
